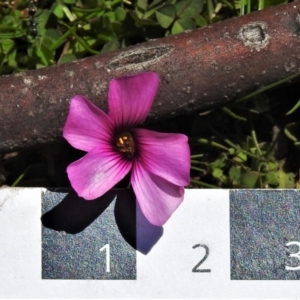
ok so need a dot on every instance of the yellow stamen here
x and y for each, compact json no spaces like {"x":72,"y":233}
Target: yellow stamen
{"x":125,"y":143}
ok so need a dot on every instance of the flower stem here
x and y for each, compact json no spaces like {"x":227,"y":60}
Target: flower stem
{"x":201,"y":183}
{"x":196,"y":155}
{"x":198,"y":169}
{"x":21,"y":177}
{"x":212,"y":143}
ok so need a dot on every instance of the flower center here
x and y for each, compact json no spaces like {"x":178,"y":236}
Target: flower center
{"x":125,"y":143}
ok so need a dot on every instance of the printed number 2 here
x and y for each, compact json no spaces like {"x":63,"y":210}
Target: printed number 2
{"x":195,"y":269}
{"x":297,"y":255}
{"x":107,"y":248}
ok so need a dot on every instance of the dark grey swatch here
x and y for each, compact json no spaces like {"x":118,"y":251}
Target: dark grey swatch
{"x":262,"y":222}
{"x":78,"y":256}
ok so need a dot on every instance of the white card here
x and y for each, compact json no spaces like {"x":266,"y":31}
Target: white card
{"x":210,"y":232}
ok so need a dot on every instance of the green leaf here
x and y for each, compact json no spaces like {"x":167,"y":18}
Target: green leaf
{"x":109,"y":17}
{"x":165,"y":15}
{"x":263,"y":4}
{"x":154,"y":4}
{"x":117,"y":29}
{"x":111,"y":46}
{"x":220,"y":162}
{"x":231,"y":151}
{"x":200,"y":21}
{"x":78,"y":48}
{"x":285,"y":180}
{"x":182,"y":25}
{"x":83,"y":45}
{"x":271,"y":178}
{"x":9,"y":32}
{"x":272,"y":166}
{"x":120,"y":14}
{"x":12,"y":59}
{"x":250,"y":179}
{"x":58,"y":11}
{"x":42,"y":21}
{"x":2,"y":57}
{"x":152,"y":9}
{"x":40,"y":66}
{"x":240,"y":157}
{"x":235,"y":174}
{"x":44,"y":52}
{"x":67,"y":58}
{"x":70,"y":1}
{"x":7,"y":45}
{"x":141,"y":22}
{"x":142,"y":4}
{"x":52,"y":35}
{"x":105,"y":36}
{"x":188,"y":8}
{"x":217,"y":173}
{"x":210,"y":9}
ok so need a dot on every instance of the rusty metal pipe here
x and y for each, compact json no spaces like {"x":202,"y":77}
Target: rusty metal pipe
{"x":198,"y":69}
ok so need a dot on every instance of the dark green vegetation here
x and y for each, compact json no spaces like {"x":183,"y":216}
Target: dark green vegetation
{"x":71,"y":29}
{"x":251,"y":143}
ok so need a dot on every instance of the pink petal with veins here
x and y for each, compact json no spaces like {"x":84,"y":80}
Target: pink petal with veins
{"x":130,"y":98}
{"x":166,"y":155}
{"x":97,"y":172}
{"x":157,"y":197}
{"x":86,"y":125}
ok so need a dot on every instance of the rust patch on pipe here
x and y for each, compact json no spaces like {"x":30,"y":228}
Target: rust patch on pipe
{"x":254,"y":35}
{"x":139,"y":58}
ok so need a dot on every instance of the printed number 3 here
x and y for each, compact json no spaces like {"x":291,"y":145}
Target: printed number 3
{"x":297,"y":255}
{"x":195,"y":269}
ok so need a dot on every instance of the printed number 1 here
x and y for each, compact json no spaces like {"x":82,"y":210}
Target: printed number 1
{"x":107,"y":248}
{"x":297,"y":255}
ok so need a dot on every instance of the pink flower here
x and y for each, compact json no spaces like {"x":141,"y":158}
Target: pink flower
{"x":159,"y":162}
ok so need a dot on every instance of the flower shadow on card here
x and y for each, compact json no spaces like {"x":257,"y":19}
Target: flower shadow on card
{"x":147,"y":235}
{"x":73,"y":214}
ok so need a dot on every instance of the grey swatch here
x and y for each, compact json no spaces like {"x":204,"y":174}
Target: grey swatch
{"x":262,"y":222}
{"x":78,"y":256}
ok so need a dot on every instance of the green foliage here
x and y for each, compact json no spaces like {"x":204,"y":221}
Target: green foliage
{"x":166,"y":15}
{"x":246,"y":6}
{"x":231,"y":154}
{"x":72,"y":29}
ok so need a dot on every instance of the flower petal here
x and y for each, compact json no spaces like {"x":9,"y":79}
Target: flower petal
{"x":86,"y":125}
{"x":130,"y":98}
{"x":97,"y":172}
{"x":166,"y":155}
{"x":157,"y":197}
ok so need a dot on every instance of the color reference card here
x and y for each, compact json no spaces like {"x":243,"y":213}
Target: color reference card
{"x":213,"y":245}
